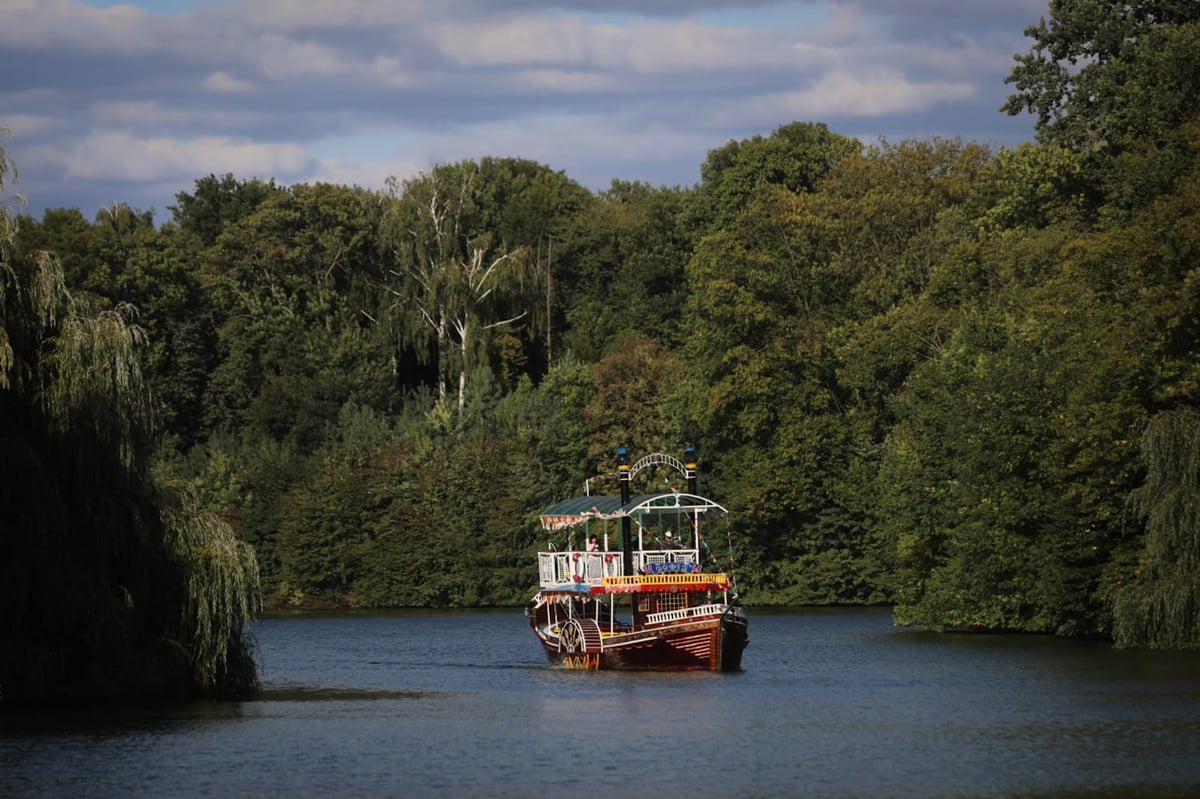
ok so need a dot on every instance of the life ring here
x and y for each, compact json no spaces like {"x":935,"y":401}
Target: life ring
{"x":575,"y":556}
{"x":608,"y":558}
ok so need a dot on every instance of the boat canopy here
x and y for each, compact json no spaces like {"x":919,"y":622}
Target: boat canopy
{"x":581,"y":509}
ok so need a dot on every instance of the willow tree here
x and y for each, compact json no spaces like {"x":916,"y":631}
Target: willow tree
{"x":454,"y":279}
{"x":1160,"y":608}
{"x":105,"y":590}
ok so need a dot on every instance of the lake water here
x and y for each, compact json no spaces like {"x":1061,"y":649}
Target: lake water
{"x":833,"y":703}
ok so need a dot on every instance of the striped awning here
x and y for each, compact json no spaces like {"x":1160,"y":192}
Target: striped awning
{"x":581,"y":509}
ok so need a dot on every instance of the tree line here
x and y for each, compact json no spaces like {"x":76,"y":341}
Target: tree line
{"x":957,"y":380}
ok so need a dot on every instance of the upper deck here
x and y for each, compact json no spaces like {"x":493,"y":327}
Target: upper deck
{"x":666,"y":537}
{"x":591,"y":568}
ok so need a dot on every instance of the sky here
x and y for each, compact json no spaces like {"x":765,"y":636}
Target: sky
{"x":133,"y":102}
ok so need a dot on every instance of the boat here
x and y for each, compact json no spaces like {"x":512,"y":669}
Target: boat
{"x":652,"y":597}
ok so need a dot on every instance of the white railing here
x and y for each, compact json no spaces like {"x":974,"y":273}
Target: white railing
{"x":556,"y":568}
{"x":685,"y":613}
{"x":656,"y":557}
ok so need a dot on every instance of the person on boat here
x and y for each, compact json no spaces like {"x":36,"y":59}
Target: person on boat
{"x":669,"y":541}
{"x":593,"y":544}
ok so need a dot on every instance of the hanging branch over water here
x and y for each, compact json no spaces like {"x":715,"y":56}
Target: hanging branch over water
{"x":1161,"y":609}
{"x":222,"y":588}
{"x":106,"y":576}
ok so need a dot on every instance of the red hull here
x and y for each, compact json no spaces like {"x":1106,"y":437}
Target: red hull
{"x":715,"y":643}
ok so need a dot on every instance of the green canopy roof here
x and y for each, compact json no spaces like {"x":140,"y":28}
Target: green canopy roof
{"x":580,"y":509}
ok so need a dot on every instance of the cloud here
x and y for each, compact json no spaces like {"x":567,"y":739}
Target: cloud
{"x":31,"y":126}
{"x":126,"y":98}
{"x":224,"y":83}
{"x":368,"y":174}
{"x":654,"y":48}
{"x":120,"y":157}
{"x":150,"y":115}
{"x":878,"y":91}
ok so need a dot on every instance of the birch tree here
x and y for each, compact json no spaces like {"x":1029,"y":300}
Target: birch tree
{"x":453,"y":279}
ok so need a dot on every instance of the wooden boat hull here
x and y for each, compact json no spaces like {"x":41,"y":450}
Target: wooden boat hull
{"x":709,"y":644}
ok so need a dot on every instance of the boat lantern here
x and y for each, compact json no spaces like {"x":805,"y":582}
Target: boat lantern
{"x":689,"y":464}
{"x":623,"y":470}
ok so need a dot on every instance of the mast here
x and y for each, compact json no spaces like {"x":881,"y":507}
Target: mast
{"x":626,"y":525}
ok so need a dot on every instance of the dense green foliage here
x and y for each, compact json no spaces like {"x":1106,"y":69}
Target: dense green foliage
{"x":113,"y":584}
{"x":1161,"y":604}
{"x":956,"y":380}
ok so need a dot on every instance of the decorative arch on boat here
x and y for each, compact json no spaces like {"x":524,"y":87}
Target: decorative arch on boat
{"x":686,"y":470}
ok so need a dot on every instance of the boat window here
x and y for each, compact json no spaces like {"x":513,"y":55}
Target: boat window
{"x":672,"y":601}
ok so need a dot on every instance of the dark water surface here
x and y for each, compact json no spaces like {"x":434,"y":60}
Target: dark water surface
{"x":830,"y":704}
